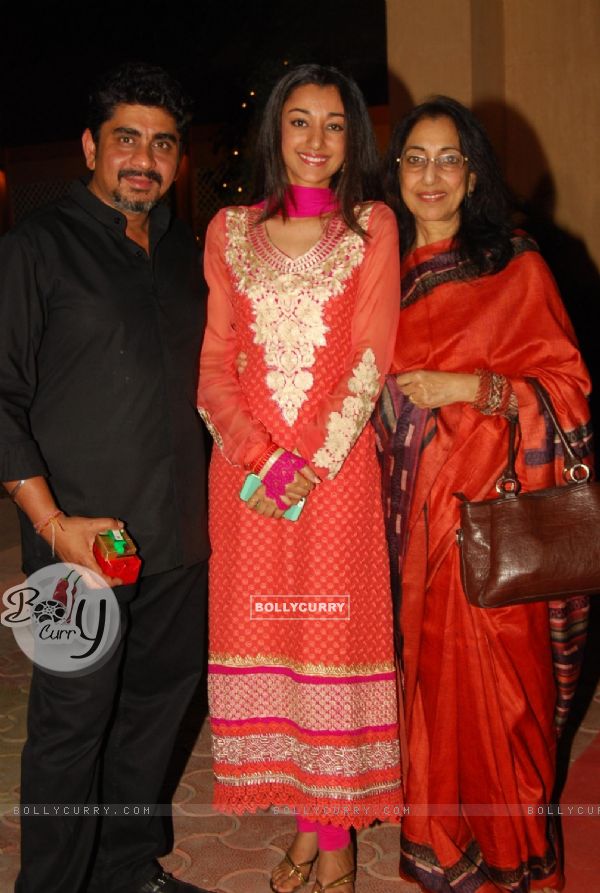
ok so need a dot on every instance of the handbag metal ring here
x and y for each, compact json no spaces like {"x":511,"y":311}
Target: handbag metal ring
{"x":508,"y":486}
{"x":577,"y":473}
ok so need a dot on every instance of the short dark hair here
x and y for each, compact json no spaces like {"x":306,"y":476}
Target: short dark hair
{"x":484,"y":232}
{"x":138,"y":83}
{"x":358,"y":180}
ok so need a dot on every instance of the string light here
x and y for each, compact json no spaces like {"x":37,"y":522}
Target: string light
{"x":236,"y":152}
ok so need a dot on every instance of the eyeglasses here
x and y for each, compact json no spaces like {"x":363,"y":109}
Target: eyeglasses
{"x":418,"y":161}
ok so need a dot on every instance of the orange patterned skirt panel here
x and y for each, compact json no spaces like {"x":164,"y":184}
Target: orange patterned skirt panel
{"x":303,"y":700}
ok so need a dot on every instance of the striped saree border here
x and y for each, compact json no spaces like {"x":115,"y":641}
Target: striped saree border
{"x":423,"y":278}
{"x":471,"y":872}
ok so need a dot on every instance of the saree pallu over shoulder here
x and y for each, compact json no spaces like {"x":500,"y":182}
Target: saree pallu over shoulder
{"x":480,"y":687}
{"x":430,"y":269}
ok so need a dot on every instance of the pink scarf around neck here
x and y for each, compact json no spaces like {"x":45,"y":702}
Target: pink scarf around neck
{"x":309,"y":201}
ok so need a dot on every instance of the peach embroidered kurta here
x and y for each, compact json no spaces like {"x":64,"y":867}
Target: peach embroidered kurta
{"x":303,"y":710}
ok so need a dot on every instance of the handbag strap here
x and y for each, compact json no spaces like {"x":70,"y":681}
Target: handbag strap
{"x":574,"y":472}
{"x":574,"y":469}
{"x":508,"y":483}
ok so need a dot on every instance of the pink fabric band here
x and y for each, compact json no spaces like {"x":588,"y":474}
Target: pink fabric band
{"x":308,"y":201}
{"x":282,"y":473}
{"x":329,"y":837}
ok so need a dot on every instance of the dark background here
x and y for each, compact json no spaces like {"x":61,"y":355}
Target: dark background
{"x":220,"y":51}
{"x":52,"y":53}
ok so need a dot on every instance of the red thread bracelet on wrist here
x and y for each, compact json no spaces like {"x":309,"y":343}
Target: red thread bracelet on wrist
{"x":41,"y":525}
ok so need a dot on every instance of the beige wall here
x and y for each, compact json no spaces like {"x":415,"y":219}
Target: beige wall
{"x":429,"y":50}
{"x":531,"y":69}
{"x":553,"y":82}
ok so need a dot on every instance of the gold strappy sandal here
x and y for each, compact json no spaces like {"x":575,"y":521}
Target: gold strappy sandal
{"x":295,"y":871}
{"x":346,"y":879}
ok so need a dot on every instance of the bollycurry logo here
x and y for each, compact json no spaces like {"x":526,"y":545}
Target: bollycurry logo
{"x":300,"y":607}
{"x":64,"y":617}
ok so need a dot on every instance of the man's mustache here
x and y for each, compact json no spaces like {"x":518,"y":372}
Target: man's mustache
{"x":132,"y":172}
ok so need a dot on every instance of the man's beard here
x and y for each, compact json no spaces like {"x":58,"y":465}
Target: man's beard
{"x":136,"y":206}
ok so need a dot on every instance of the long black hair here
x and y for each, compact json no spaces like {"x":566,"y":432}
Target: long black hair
{"x":483,"y":236}
{"x":359,"y":178}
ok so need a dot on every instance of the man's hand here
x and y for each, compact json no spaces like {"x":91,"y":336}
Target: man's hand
{"x":429,"y":390}
{"x":71,"y":537}
{"x":73,"y":540}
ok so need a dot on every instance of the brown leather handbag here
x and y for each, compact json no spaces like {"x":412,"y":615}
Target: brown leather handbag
{"x":526,"y":547}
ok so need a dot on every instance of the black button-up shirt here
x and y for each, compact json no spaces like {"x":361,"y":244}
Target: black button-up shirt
{"x":99,"y":347}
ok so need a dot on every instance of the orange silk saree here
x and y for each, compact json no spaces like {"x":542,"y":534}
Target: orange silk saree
{"x":480,"y":685}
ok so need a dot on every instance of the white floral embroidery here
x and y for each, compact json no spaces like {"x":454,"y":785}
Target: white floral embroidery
{"x":213,"y":431}
{"x":288,"y":299}
{"x":344,"y":427}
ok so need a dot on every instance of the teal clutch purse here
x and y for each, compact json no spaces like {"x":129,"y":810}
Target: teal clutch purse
{"x":251,"y":485}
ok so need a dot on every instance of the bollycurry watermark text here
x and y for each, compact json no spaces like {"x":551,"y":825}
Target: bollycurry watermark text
{"x":299,"y":607}
{"x":393,"y":810}
{"x":313,"y":812}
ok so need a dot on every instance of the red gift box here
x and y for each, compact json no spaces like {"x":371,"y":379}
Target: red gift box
{"x":116,"y":553}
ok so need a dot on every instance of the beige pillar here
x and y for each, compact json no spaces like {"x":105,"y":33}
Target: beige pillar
{"x":552,"y":71}
{"x":429,"y":51}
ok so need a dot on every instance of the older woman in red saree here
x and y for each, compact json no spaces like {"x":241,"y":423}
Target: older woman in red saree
{"x":480,"y":312}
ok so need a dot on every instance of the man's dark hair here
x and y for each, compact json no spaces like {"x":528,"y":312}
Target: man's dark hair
{"x":483,"y":236}
{"x":138,"y":83}
{"x":359,"y":178}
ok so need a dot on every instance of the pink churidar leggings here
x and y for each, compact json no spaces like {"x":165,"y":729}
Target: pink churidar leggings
{"x":329,"y":837}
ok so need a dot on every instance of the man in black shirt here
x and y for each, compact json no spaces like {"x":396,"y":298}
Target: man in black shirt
{"x":101,"y":321}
